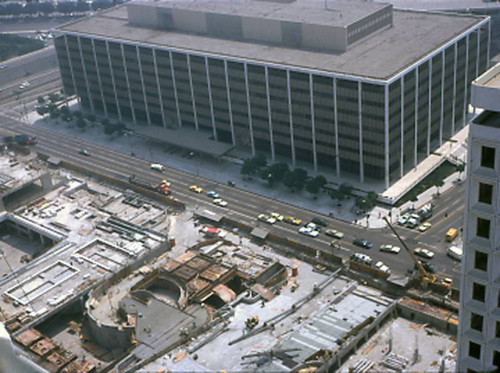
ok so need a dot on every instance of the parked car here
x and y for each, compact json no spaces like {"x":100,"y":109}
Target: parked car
{"x":157,"y":167}
{"x":213,"y":194}
{"x":308,"y":231}
{"x":424,"y":253}
{"x":334,"y":233}
{"x":455,"y":253}
{"x":319,"y":221}
{"x":403,"y":219}
{"x":382,"y":267}
{"x":361,"y":242}
{"x":390,"y":249}
{"x":313,"y":226}
{"x":361,"y":258}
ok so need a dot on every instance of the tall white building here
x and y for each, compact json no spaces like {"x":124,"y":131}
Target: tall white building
{"x":479,"y":327}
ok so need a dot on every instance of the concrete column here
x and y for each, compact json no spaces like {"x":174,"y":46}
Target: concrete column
{"x":100,"y":81}
{"x":441,"y":119}
{"x":401,"y":167}
{"x":160,"y":98}
{"x":429,"y":104}
{"x":466,"y":77}
{"x":71,"y":67}
{"x":192,"y":92}
{"x":415,"y":154}
{"x":113,"y":82}
{"x":488,"y":46}
{"x":252,"y":144}
{"x":313,"y":127}
{"x":386,"y":135}
{"x":174,"y":87}
{"x":478,"y":50}
{"x":229,"y":104}
{"x":289,"y":93}
{"x":42,"y":239}
{"x":128,"y":84}
{"x":270,"y":120}
{"x":85,"y":75}
{"x":210,"y":99}
{"x":336,"y":127}
{"x":454,"y":100}
{"x":139,"y":65}
{"x":360,"y":127}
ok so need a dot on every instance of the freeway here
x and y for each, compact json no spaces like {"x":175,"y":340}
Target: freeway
{"x":242,"y":205}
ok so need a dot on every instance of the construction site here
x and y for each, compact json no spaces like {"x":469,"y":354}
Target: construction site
{"x":97,"y":277}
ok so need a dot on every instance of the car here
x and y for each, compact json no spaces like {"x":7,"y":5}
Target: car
{"x":319,"y":221}
{"x":3,"y":67}
{"x":292,"y":220}
{"x":412,"y":223}
{"x":231,"y":183}
{"x":424,"y":253}
{"x":455,"y":253}
{"x":313,"y":226}
{"x":277,"y":216}
{"x":266,"y":219}
{"x":424,"y":226}
{"x":361,"y":242}
{"x":382,"y":267}
{"x":157,"y":167}
{"x":334,"y":233}
{"x":195,"y":189}
{"x":213,"y":194}
{"x":361,"y":258}
{"x":24,"y":85}
{"x":84,"y":152}
{"x":403,"y":219}
{"x":219,"y":202}
{"x":308,"y":231}
{"x":166,"y":183}
{"x":390,"y":249}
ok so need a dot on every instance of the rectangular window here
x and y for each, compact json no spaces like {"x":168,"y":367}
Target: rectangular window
{"x":483,"y":228}
{"x":476,"y":322}
{"x":478,"y":292}
{"x":481,"y":261}
{"x":496,"y":359}
{"x":485,"y":193}
{"x":487,"y":157}
{"x":474,"y":350}
{"x":497,"y":329}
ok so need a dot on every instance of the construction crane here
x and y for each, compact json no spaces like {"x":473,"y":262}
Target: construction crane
{"x":424,"y":277}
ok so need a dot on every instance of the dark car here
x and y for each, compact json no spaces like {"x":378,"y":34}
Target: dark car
{"x":361,"y":242}
{"x":318,"y":221}
{"x":231,"y":183}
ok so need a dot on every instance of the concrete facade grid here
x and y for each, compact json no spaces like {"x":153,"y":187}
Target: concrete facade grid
{"x":365,"y":151}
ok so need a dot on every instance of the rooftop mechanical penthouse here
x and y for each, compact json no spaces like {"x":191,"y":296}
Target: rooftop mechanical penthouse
{"x":350,"y":88}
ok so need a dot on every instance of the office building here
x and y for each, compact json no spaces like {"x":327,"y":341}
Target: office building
{"x":358,"y":88}
{"x":479,"y":325}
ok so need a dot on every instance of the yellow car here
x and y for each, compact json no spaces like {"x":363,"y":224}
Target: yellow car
{"x":425,"y":226}
{"x":196,"y":189}
{"x":166,"y":182}
{"x":277,"y":216}
{"x":292,"y":220}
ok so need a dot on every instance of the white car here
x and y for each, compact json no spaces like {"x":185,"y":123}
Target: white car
{"x":219,"y":202}
{"x":308,"y":231}
{"x":424,"y":253}
{"x":390,"y":249}
{"x":382,"y":267}
{"x":157,"y":167}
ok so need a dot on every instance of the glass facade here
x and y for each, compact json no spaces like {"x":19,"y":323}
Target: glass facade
{"x":322,"y":119}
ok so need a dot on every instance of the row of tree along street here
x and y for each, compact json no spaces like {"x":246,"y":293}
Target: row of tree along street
{"x":17,"y":8}
{"x":297,"y":180}
{"x":52,"y":107}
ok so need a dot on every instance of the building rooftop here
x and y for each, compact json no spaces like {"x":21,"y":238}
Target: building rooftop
{"x":414,"y":35}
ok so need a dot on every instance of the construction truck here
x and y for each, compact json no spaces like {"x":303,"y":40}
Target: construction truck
{"x":424,"y":279}
{"x":161,"y":187}
{"x":251,"y":322}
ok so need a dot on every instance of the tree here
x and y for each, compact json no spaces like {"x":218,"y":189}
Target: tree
{"x":260,"y":160}
{"x":120,"y":128}
{"x":312,"y":186}
{"x":81,"y":123}
{"x":289,"y":179}
{"x":248,"y":167}
{"x":54,"y":97}
{"x":41,"y":100}
{"x":336,"y":194}
{"x":91,"y":118}
{"x":345,"y":189}
{"x":438,"y":183}
{"x":278,"y":170}
{"x":300,"y":178}
{"x":78,"y":114}
{"x":42,"y":110}
{"x":105,"y":122}
{"x":321,"y":180}
{"x":109,"y":129}
{"x":54,"y":112}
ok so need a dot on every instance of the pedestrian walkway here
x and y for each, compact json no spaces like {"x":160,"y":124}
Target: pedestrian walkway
{"x":228,"y":169}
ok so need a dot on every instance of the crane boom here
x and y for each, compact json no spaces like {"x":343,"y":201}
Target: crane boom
{"x":421,"y":270}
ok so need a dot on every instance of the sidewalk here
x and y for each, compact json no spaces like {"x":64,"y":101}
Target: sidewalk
{"x":225,"y":170}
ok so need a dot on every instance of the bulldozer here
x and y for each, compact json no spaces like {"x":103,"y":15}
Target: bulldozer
{"x":424,"y":279}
